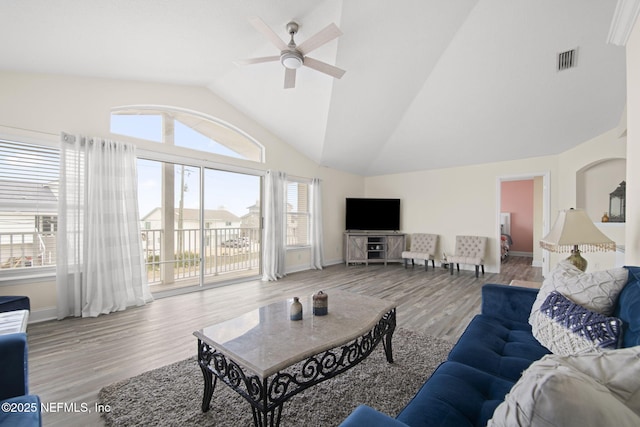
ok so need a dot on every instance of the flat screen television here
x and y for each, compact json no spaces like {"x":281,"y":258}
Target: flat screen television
{"x":372,"y":214}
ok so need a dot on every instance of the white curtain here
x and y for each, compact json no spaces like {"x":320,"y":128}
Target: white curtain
{"x":273,"y":250}
{"x":100,"y":264}
{"x":315,"y":208}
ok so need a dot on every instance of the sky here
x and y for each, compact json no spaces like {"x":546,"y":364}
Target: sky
{"x":232,"y":191}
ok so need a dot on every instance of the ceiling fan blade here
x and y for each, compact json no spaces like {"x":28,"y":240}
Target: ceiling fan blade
{"x":289,"y":78}
{"x":256,"y":60}
{"x":323,"y":67}
{"x":325,"y":35}
{"x":260,"y":25}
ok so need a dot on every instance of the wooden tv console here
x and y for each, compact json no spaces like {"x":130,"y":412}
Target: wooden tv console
{"x":364,"y":247}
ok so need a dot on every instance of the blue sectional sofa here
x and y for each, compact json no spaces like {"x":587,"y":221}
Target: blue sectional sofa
{"x":488,"y":359}
{"x":18,"y":407}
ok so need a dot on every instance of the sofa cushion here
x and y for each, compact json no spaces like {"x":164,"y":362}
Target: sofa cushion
{"x":628,"y":309}
{"x":592,"y":389}
{"x":597,"y":291}
{"x":568,"y":328}
{"x":456,"y":395}
{"x":497,"y":346}
{"x":365,"y":415}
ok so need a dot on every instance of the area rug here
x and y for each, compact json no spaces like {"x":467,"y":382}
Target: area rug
{"x":172,"y":395}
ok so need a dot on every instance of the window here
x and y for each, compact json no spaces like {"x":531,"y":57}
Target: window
{"x":186,"y":129}
{"x":28,"y":205}
{"x":297,"y":211}
{"x":47,"y":224}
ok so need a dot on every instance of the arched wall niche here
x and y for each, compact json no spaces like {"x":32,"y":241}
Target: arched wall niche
{"x":595,"y":181}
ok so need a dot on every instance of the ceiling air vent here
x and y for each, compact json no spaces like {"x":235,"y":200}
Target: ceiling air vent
{"x":567,"y":59}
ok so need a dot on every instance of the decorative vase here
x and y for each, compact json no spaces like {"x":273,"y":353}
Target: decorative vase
{"x":295,"y":313}
{"x":605,"y":217}
{"x":320,"y":304}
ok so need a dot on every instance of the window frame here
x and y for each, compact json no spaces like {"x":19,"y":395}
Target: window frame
{"x":174,"y":112}
{"x":306,"y":214}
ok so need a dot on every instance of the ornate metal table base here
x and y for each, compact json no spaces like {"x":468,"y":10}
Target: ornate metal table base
{"x":267,"y":395}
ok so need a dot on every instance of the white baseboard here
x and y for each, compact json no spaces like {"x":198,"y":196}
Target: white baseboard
{"x":297,"y":268}
{"x":535,"y":263}
{"x":43,"y":314}
{"x":518,"y":253}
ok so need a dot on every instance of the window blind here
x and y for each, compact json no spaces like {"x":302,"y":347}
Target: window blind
{"x":28,"y":204}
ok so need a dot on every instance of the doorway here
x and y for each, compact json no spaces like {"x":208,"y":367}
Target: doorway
{"x":539,"y":219}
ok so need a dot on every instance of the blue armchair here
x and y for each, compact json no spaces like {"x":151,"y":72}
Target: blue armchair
{"x":11,"y":303}
{"x":17,"y":407}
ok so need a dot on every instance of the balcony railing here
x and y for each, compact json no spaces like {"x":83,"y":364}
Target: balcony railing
{"x":226,"y":250}
{"x":21,"y":250}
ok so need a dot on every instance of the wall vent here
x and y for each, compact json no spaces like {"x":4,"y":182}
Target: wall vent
{"x":567,"y":59}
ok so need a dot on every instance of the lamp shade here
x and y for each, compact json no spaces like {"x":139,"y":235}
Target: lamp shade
{"x":574,"y":228}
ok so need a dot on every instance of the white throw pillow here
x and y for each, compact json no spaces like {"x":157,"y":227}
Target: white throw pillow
{"x":618,"y":370}
{"x":597,"y":291}
{"x":598,"y":389}
{"x":563,"y":271}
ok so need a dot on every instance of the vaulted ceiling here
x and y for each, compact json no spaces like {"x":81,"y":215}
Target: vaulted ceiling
{"x":428,"y":83}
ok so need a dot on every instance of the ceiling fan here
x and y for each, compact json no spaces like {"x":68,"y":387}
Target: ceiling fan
{"x":293,"y":56}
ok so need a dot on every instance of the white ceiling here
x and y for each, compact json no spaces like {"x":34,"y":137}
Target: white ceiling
{"x":429,"y":83}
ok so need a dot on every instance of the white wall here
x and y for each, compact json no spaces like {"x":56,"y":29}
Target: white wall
{"x":632,"y":254}
{"x":537,"y":220}
{"x":454,"y":201}
{"x":39,"y":107}
{"x":463,"y":200}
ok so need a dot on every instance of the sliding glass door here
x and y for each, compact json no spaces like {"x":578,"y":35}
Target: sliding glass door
{"x":199,"y":225}
{"x":232,"y":224}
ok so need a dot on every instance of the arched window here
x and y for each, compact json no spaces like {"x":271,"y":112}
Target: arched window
{"x":186,"y":129}
{"x":200,"y":221}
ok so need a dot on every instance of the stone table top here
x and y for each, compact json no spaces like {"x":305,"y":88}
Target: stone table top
{"x":266,"y":341}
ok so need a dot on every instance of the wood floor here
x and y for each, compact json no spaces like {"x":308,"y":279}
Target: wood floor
{"x":72,"y":359}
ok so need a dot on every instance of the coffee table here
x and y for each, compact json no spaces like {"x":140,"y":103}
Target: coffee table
{"x":268,"y":358}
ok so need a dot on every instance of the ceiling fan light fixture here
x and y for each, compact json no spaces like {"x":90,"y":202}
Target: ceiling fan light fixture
{"x":291,"y":59}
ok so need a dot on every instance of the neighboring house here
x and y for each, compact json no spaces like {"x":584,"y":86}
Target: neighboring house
{"x":28,"y":224}
{"x":252,"y":218}
{"x":221,"y":226}
{"x":213,"y":218}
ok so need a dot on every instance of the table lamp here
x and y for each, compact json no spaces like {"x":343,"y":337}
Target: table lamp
{"x":575,"y":232}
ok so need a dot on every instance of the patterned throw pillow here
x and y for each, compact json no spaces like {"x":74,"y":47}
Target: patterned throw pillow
{"x":562,"y":272}
{"x":597,"y":291}
{"x":567,"y":328}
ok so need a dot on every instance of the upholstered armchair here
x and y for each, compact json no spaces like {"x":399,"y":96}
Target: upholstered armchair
{"x":422,"y":246}
{"x":14,"y":388}
{"x":469,"y":250}
{"x":11,"y":302}
{"x":14,"y":384}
